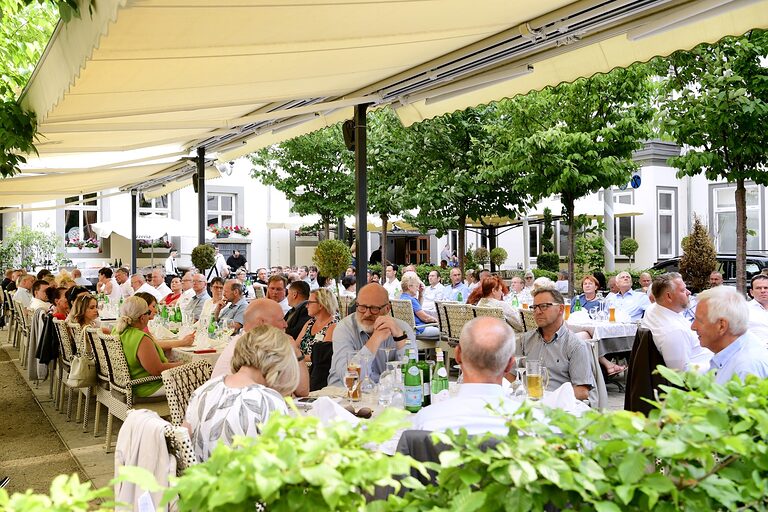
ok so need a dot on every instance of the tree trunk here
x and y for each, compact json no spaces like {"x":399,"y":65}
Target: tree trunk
{"x":569,"y":210}
{"x":462,"y":242}
{"x":384,"y":242}
{"x":741,"y":236}
{"x":326,"y":229}
{"x":492,"y":244}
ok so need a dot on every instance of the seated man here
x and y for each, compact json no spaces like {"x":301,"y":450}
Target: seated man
{"x":758,"y":308}
{"x":671,"y":331}
{"x":486,"y":353}
{"x":260,"y":312}
{"x":721,"y":323}
{"x":632,"y":302}
{"x":297,"y":316}
{"x":232,"y":309}
{"x":370,"y":329}
{"x":567,"y":358}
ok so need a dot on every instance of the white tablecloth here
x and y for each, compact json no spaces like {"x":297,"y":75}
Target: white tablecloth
{"x":613,"y":337}
{"x":188,"y":355}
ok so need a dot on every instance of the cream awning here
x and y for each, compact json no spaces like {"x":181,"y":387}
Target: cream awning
{"x":240,"y":76}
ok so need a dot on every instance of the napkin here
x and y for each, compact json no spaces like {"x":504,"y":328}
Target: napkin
{"x":328,"y":411}
{"x":580,"y":317}
{"x":622,"y":316}
{"x":564,"y":398}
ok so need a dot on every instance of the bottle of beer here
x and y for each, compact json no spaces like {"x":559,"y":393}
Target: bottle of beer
{"x":460,"y":297}
{"x":426,"y":378}
{"x":439,"y":379}
{"x":412,"y":385}
{"x":515,"y":302}
{"x":212,"y":325}
{"x":177,"y":314}
{"x":576,"y":305}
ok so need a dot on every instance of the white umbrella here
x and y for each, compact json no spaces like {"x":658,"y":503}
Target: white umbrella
{"x":148,"y":227}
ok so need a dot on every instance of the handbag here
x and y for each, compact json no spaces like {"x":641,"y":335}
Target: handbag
{"x":82,"y":372}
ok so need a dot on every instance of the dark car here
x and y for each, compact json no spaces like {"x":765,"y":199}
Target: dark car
{"x":726,"y":265}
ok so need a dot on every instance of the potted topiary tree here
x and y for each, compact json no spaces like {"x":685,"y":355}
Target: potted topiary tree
{"x":332,"y":258}
{"x":699,"y":257}
{"x":203,"y":257}
{"x":629,"y":247}
{"x":498,"y":256}
{"x":482,"y":256}
{"x":548,"y":259}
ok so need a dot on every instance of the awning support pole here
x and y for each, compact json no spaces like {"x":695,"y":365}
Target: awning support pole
{"x":361,"y":195}
{"x":134,"y":214}
{"x":201,"y":196}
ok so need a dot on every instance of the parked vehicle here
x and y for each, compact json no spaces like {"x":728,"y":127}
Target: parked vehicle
{"x":726,"y":265}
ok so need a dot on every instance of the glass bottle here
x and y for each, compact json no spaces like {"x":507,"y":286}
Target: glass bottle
{"x":439,"y":379}
{"x":412,"y":384}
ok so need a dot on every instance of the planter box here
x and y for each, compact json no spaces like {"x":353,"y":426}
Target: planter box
{"x":84,"y":250}
{"x":156,"y":250}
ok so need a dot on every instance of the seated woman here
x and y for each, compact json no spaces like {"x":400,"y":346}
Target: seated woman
{"x":85,"y":312}
{"x":264,"y":369}
{"x":318,"y":331}
{"x":175,"y":295}
{"x":145,"y":358}
{"x":411,"y":286}
{"x":489,"y":294}
{"x":169,"y":343}
{"x":588,"y":299}
{"x":58,"y":297}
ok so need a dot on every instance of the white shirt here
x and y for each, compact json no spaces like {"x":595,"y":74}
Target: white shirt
{"x":758,"y":321}
{"x":116,"y":293}
{"x":170,"y":266}
{"x":284,"y":304}
{"x":394,"y":288}
{"x":222,"y":269}
{"x":23,"y":296}
{"x":126,"y":289}
{"x":468,"y":410}
{"x":148,"y":288}
{"x":186,"y":298}
{"x":431,"y":294}
{"x":677,"y":343}
{"x":36,"y":303}
{"x":163,"y":290}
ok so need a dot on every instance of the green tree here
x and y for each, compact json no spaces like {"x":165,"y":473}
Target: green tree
{"x":548,"y":259}
{"x":388,"y":171}
{"x":314,"y":172}
{"x":715,"y":103}
{"x":28,"y":247}
{"x":455,"y":180}
{"x":575,"y":139}
{"x":629,"y":247}
{"x":699,"y":258}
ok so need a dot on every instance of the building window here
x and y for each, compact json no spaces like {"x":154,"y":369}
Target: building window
{"x":80,"y":213}
{"x":724,"y":211}
{"x":666,"y":208}
{"x":158,"y":206}
{"x":625,"y":226}
{"x":534,"y":244}
{"x":221,"y":209}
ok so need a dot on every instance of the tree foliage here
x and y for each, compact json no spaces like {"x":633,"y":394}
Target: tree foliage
{"x":548,"y":259}
{"x":629,"y":247}
{"x":715,"y":103}
{"x":314,"y":171}
{"x":699,"y":257}
{"x":332,"y":258}
{"x":27,"y":247}
{"x":455,"y":181}
{"x":575,"y":139}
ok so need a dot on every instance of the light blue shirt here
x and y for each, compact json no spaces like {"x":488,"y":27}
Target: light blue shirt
{"x":451,"y":293}
{"x":632,"y":302}
{"x":745,"y":356}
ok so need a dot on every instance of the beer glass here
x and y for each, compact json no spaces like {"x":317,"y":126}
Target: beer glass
{"x":536,"y":378}
{"x":352,"y":383}
{"x":567,"y":310}
{"x":354,"y":365}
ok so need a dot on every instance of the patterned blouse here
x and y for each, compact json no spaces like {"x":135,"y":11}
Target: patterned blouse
{"x":309,"y":339}
{"x":216,"y":413}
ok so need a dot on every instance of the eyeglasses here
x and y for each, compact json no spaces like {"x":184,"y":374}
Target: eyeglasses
{"x":148,"y":313}
{"x":375,"y":310}
{"x":543,"y":306}
{"x":528,"y":277}
{"x":313,"y":302}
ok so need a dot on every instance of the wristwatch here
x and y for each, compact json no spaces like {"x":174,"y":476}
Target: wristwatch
{"x":301,"y":357}
{"x":401,"y":337}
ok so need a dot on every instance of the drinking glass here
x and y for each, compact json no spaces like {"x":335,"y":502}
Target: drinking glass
{"x":388,"y":384}
{"x":536,"y":379}
{"x":351,"y":382}
{"x":354,"y":364}
{"x":367,"y":386}
{"x":519,"y":384}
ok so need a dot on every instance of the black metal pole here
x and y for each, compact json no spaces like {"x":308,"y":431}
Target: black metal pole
{"x":134,"y":214}
{"x":361,"y":195}
{"x":201,"y":196}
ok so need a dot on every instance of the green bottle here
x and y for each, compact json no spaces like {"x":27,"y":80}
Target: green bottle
{"x":439,"y":379}
{"x":426,"y":377}
{"x":460,"y":297}
{"x":177,"y":314}
{"x":576,"y":305}
{"x":412,"y":384}
{"x":515,"y":302}
{"x":212,"y":325}
{"x":163,"y":312}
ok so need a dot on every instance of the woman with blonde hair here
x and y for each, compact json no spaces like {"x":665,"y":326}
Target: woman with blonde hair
{"x":264,"y":370}
{"x":145,"y":358}
{"x":322,"y":309}
{"x":411,"y":287}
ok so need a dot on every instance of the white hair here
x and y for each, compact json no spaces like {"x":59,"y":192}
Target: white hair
{"x":487,"y":344}
{"x":543,"y":283}
{"x":727,"y":303}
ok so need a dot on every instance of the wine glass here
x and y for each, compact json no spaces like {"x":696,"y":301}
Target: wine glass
{"x":367,"y":387}
{"x":519,"y":391}
{"x":351,"y":382}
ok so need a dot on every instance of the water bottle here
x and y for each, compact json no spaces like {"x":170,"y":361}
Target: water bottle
{"x":439,"y":379}
{"x":412,"y":380}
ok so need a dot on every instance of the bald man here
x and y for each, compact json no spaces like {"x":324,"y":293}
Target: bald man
{"x":367,"y":331}
{"x":261,"y":312}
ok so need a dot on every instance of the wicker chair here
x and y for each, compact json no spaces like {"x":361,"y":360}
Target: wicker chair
{"x":102,"y":391}
{"x":180,"y":382}
{"x":65,"y":362}
{"x":22,"y":331}
{"x":12,"y":321}
{"x":403,"y":310}
{"x":83,"y":348}
{"x":180,"y":446}
{"x":121,"y":387}
{"x":457,"y":315}
{"x":529,"y":322}
{"x":258,"y":292}
{"x":344,"y":303}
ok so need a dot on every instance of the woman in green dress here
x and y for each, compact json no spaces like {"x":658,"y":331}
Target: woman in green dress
{"x":145,"y":358}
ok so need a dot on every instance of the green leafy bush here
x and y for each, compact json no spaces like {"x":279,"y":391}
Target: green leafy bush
{"x":548,"y":261}
{"x":28,"y":247}
{"x":332,"y":258}
{"x":498,"y":256}
{"x":699,"y":257}
{"x":482,"y":255}
{"x":589,"y":252}
{"x":629,"y":247}
{"x":203,"y":257}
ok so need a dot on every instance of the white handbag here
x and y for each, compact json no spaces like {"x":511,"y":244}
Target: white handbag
{"x":82,"y":372}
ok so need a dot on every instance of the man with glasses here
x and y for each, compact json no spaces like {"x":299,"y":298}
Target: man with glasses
{"x":371,"y":329}
{"x":201,"y":295}
{"x":566,"y":357}
{"x":187,"y":293}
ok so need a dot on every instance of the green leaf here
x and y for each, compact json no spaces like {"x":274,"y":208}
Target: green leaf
{"x":632,"y":467}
